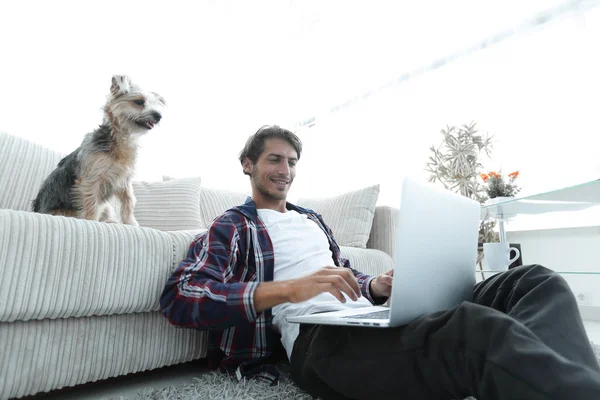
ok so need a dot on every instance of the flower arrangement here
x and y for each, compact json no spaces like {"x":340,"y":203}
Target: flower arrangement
{"x":497,"y":186}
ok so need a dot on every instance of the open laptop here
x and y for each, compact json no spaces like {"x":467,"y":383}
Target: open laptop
{"x":434,"y":265}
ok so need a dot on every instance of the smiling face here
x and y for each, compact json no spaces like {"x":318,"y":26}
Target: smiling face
{"x":272,"y":174}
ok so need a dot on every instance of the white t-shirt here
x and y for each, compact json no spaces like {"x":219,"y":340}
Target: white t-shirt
{"x":300,"y":248}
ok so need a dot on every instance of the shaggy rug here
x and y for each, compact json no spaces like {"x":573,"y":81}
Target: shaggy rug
{"x":218,"y":386}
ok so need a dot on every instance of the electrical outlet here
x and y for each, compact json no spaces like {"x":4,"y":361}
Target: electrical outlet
{"x":584,"y":298}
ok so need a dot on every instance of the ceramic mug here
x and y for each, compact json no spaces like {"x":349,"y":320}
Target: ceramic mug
{"x":497,"y":255}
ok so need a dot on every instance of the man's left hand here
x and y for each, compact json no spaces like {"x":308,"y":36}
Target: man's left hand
{"x":382,"y":285}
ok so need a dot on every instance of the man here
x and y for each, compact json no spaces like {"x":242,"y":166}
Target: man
{"x":521,"y":337}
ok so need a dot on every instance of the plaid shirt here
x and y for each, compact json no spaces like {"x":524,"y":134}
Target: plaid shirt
{"x":213,"y":289}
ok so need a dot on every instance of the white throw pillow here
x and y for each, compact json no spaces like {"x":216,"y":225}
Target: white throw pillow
{"x":169,"y":205}
{"x":214,"y":202}
{"x":349,"y":215}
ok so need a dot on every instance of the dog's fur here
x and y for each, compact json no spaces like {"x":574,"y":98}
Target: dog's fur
{"x":85,"y":180}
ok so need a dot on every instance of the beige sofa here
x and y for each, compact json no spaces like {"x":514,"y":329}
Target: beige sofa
{"x":79,"y":299}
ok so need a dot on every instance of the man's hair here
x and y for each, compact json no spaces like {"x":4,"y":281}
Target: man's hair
{"x":256,"y":143}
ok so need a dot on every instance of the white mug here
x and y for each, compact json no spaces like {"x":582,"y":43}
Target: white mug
{"x":497,"y":255}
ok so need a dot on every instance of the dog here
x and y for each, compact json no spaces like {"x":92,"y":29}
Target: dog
{"x":86,"y":180}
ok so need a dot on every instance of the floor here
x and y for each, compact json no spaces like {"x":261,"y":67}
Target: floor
{"x":127,"y":386}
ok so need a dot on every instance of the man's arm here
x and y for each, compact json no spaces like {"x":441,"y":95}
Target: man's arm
{"x":377,"y":292}
{"x":196,"y":295}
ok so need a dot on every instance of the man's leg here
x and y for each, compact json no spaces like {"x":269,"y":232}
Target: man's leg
{"x":302,"y":371}
{"x":541,"y":300}
{"x":473,"y":349}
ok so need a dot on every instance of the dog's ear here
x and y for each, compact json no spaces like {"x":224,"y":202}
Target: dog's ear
{"x":160,"y":98}
{"x":121,"y":84}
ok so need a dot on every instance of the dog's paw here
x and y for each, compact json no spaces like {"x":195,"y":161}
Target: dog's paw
{"x":131,"y":221}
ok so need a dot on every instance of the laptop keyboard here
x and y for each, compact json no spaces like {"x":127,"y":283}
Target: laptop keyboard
{"x":383,"y":314}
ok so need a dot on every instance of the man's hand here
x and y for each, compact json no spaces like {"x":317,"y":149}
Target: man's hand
{"x":382,"y":285}
{"x":334,"y":280}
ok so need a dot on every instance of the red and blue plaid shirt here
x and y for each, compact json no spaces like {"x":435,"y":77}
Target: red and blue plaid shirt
{"x":213,"y":289}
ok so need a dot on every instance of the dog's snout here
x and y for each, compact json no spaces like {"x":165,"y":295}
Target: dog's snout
{"x":156,"y":115}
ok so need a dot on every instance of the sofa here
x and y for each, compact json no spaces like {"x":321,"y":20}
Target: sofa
{"x":79,"y":300}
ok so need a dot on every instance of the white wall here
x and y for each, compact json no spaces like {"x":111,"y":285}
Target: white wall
{"x":226,"y":68}
{"x":566,"y":250}
{"x":536,"y":93}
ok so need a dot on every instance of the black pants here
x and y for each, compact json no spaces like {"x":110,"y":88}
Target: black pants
{"x":521,"y":338}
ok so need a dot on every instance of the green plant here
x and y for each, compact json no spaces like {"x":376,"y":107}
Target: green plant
{"x":456,"y":164}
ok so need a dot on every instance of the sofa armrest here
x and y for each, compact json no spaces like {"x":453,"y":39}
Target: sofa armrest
{"x":368,"y":261}
{"x":181,"y":243}
{"x":56,"y":267}
{"x":383,"y":231}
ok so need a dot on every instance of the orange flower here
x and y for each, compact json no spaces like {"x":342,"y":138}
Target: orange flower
{"x":514,"y":175}
{"x":493,"y":174}
{"x":484,"y":177}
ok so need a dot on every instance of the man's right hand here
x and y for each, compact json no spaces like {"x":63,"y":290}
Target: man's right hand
{"x":334,"y":280}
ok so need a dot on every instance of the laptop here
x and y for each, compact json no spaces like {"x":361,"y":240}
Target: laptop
{"x":435,"y":257}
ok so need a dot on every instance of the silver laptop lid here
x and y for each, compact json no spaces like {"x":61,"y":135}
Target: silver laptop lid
{"x":435,"y":251}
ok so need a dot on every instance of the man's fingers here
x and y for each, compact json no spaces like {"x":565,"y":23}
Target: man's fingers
{"x":386,"y":280}
{"x":351,"y":280}
{"x":343,"y":286}
{"x":338,"y":295}
{"x":335,"y":280}
{"x":354,"y":283}
{"x":346,"y":275}
{"x":337,"y":286}
{"x":330,"y":288}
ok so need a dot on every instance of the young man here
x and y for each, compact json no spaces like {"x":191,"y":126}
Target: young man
{"x":521,"y":338}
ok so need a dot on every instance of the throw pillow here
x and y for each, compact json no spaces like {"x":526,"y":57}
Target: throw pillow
{"x":214,"y":202}
{"x":349,"y":215}
{"x":169,"y":205}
